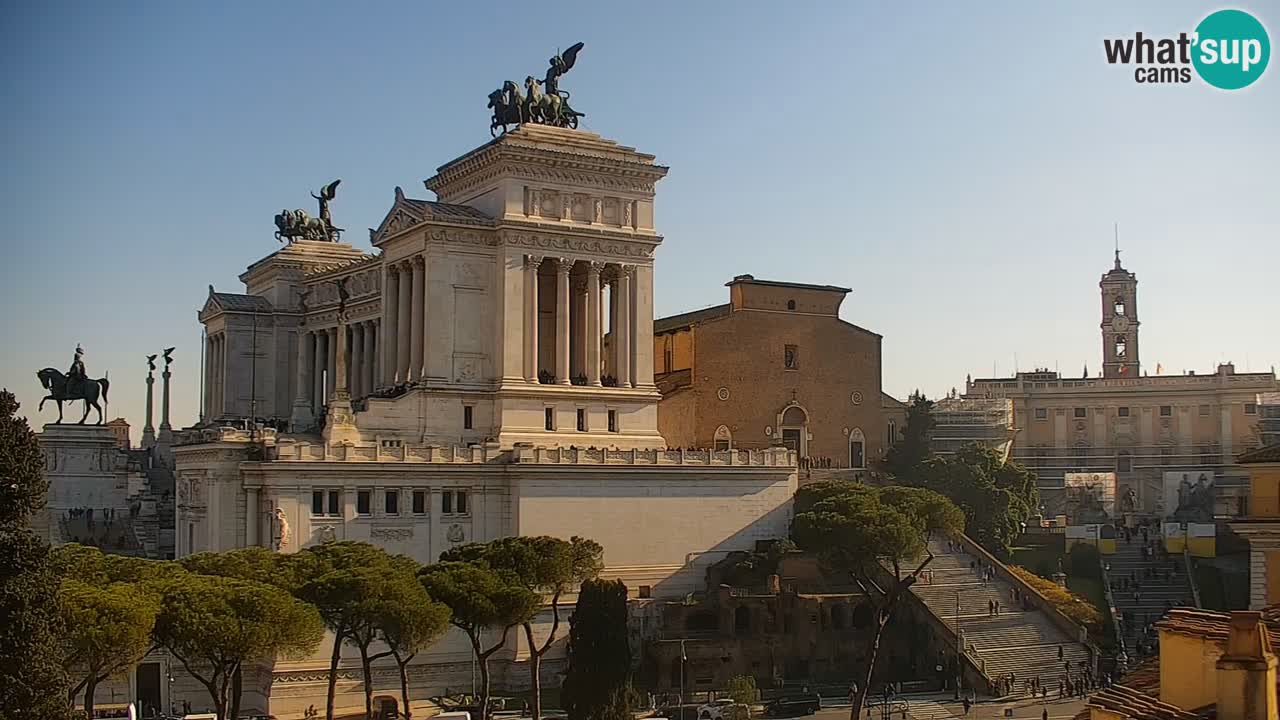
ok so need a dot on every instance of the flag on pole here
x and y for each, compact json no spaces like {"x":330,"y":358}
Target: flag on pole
{"x":1159,"y":368}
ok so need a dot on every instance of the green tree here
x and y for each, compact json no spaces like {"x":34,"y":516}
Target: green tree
{"x":33,"y":681}
{"x":331,"y":577}
{"x":257,"y":564}
{"x":480,"y":597}
{"x":996,"y":495}
{"x":597,"y":680}
{"x":859,"y":529}
{"x":408,"y":620}
{"x":108,"y":630}
{"x":216,"y":625}
{"x":742,"y":689}
{"x":907,"y":456}
{"x":544,"y":565}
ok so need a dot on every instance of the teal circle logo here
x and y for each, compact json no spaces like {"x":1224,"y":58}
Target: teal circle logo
{"x":1231,"y":49}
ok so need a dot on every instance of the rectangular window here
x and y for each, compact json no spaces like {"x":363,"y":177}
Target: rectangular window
{"x":1042,"y":413}
{"x":460,"y":502}
{"x":364,"y":499}
{"x":335,"y":500}
{"x":1122,"y":412}
{"x":582,"y":420}
{"x":646,"y":591}
{"x":1166,"y":411}
{"x":613,"y":421}
{"x":791,"y":357}
{"x":1250,"y":408}
{"x":549,"y":418}
{"x":1124,"y":463}
{"x":466,"y":417}
{"x":317,"y":502}
{"x":1206,"y":455}
{"x":1204,"y":411}
{"x":446,"y":502}
{"x":1081,"y":412}
{"x":1166,"y":456}
{"x":419,"y":502}
{"x":391,"y":502}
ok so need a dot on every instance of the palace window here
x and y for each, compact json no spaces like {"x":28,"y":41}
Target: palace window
{"x":467,"y":412}
{"x":1250,"y":408}
{"x":892,"y":432}
{"x":549,"y":418}
{"x":1081,"y":412}
{"x":613,"y":421}
{"x":1121,"y":346}
{"x":791,"y":304}
{"x":453,"y":502}
{"x":791,"y":357}
{"x":582,"y":420}
{"x":1204,"y":411}
{"x":419,"y":502}
{"x":364,"y":499}
{"x":334,"y":502}
{"x":1124,"y":462}
{"x":1042,"y":413}
{"x":391,"y":502}
{"x":1206,"y":455}
{"x":1166,"y":411}
{"x":1166,"y":456}
{"x":318,"y":504}
{"x":1119,"y":305}
{"x":1122,"y":411}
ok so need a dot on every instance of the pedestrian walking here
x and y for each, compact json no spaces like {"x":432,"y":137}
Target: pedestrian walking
{"x":1044,"y":714}
{"x":1059,"y":652}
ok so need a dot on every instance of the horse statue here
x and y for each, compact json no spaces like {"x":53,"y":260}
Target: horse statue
{"x":56,"y":383}
{"x":508,"y":107}
{"x":297,"y":224}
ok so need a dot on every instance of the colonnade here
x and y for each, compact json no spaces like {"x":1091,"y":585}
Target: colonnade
{"x":404,"y":349}
{"x":318,"y":361}
{"x":574,"y":289}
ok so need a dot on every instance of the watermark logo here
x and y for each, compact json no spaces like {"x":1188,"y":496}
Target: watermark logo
{"x":1229,"y":49}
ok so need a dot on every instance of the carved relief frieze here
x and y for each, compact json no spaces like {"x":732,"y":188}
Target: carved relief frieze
{"x":391,"y":533}
{"x":577,"y":245}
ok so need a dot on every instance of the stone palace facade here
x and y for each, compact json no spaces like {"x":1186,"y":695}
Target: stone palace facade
{"x":455,"y":386}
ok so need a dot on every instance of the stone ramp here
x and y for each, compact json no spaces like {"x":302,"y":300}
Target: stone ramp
{"x":1024,"y":642}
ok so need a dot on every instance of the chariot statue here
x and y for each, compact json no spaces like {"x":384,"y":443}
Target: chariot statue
{"x":294,"y":225}
{"x":545,"y":103}
{"x":75,"y":385}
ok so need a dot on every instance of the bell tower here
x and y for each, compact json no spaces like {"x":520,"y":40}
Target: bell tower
{"x":1119,"y":323}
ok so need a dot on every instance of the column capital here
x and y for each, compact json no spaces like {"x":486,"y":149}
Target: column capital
{"x":564,"y":265}
{"x":418,"y":261}
{"x":533,"y":261}
{"x":626,"y":270}
{"x":595,"y":267}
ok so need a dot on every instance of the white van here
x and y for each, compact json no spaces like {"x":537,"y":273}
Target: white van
{"x":453,"y":715}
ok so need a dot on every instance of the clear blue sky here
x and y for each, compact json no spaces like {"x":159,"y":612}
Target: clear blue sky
{"x":959,"y":165}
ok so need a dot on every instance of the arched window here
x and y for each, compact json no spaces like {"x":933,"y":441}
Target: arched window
{"x":742,"y":620}
{"x":723,"y":438}
{"x":1121,"y":346}
{"x":857,"y":449}
{"x":892,"y":435}
{"x":791,"y":304}
{"x":794,"y":416}
{"x":1119,"y":305}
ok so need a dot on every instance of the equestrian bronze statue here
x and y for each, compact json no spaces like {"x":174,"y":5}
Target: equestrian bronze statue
{"x":75,"y":385}
{"x":545,"y":104}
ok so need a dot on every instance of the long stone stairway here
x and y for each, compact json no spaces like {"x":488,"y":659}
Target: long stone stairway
{"x":1023,"y":642}
{"x":1160,"y":583}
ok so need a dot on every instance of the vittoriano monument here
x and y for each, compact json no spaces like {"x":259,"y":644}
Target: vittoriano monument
{"x":546,"y":103}
{"x":75,"y":385}
{"x":298,"y":225}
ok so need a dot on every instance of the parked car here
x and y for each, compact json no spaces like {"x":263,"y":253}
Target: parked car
{"x":791,"y":704}
{"x":719,"y":710}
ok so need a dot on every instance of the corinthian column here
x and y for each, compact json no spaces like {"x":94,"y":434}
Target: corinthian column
{"x":357,"y":360}
{"x":416,"y":319}
{"x":318,"y":395}
{"x":367,"y":372}
{"x":302,"y":415}
{"x":563,"y":266}
{"x":622,"y":333}
{"x":593,"y":323}
{"x":531,"y":263}
{"x":403,"y":329}
{"x":391,"y":311}
{"x":331,"y":379}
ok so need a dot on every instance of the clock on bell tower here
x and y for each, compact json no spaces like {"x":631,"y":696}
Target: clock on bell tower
{"x":1119,"y":323}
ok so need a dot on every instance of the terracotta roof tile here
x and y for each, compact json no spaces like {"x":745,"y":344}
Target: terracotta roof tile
{"x":672,"y":322}
{"x":1137,"y":705}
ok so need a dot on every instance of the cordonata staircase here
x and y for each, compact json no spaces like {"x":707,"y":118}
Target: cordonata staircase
{"x":1025,"y":642}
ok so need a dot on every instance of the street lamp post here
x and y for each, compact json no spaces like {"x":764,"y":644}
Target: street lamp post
{"x":683,"y":659}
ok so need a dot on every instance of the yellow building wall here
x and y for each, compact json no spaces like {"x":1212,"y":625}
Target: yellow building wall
{"x":675,"y":348}
{"x":1188,"y":670}
{"x":1264,"y":491}
{"x":1273,"y":577}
